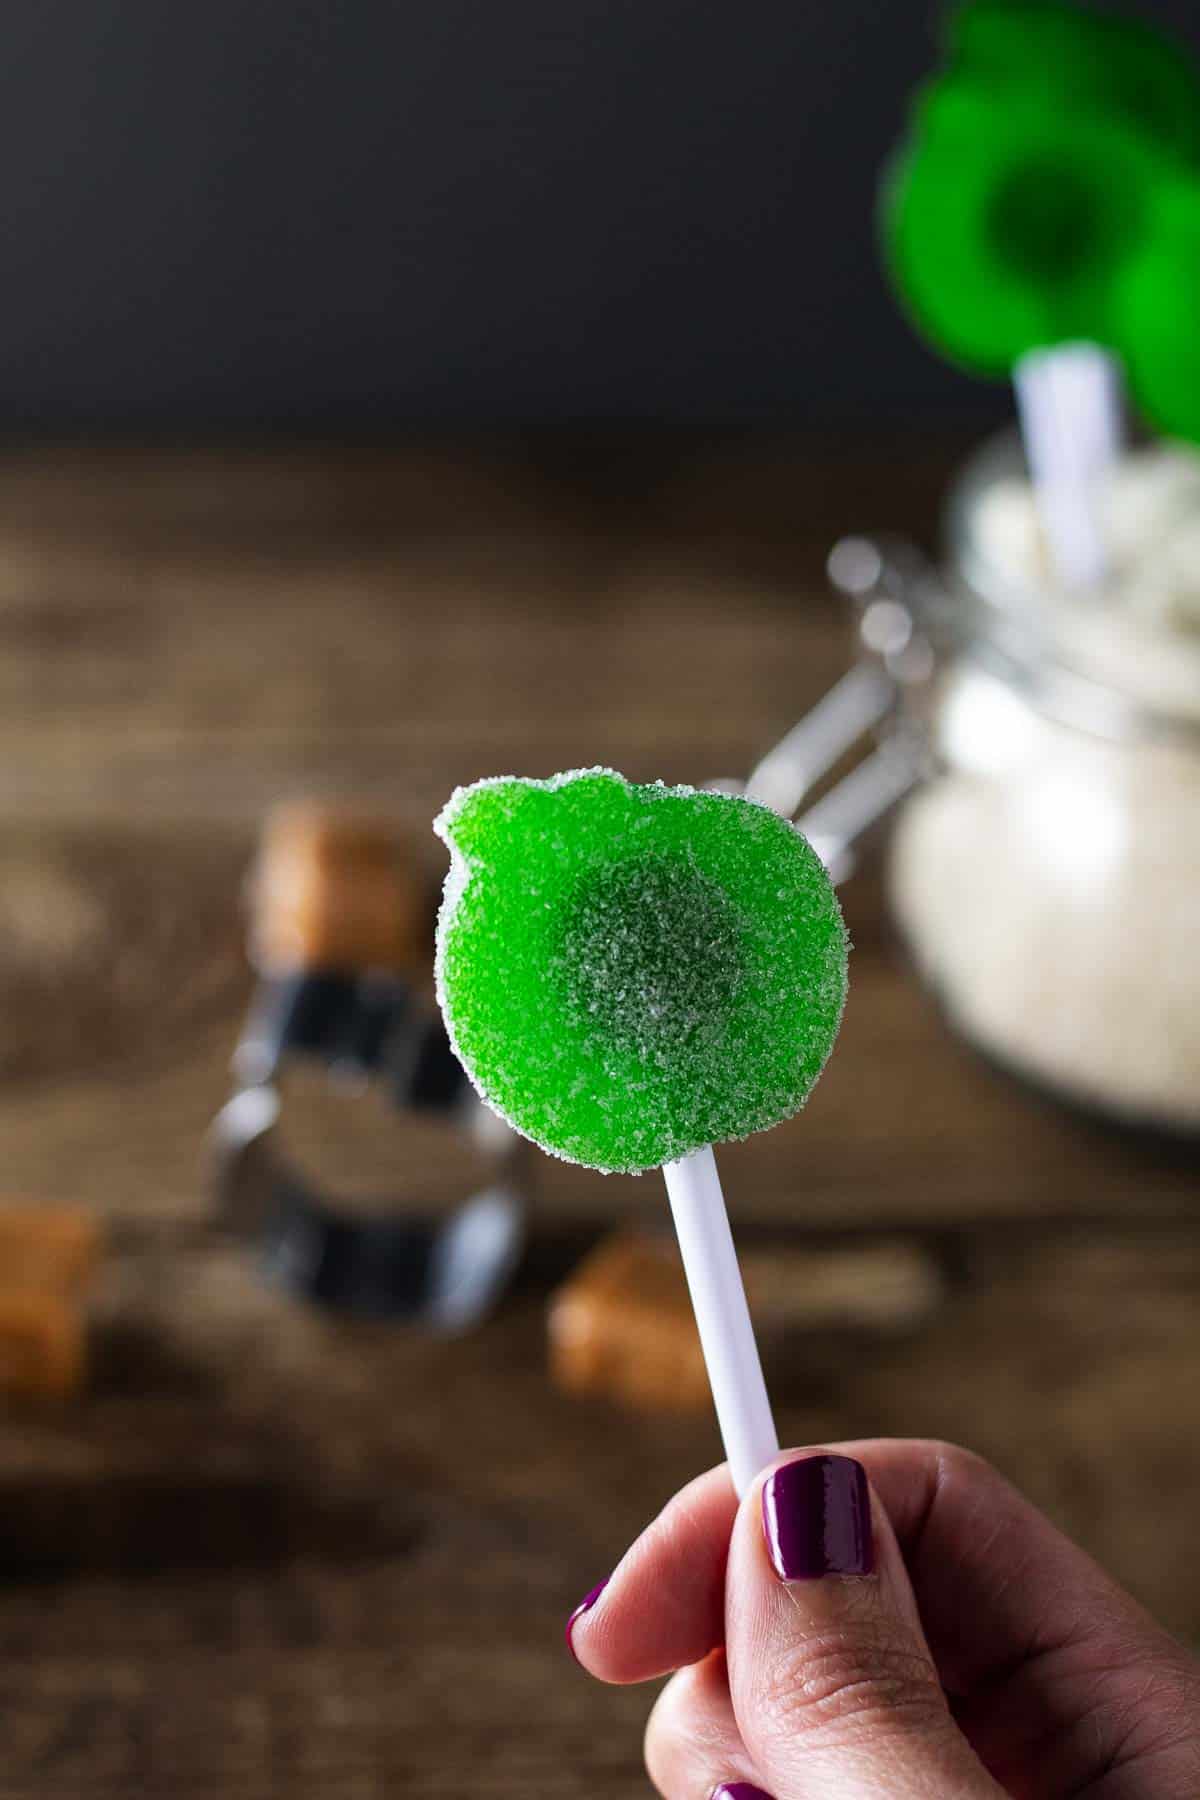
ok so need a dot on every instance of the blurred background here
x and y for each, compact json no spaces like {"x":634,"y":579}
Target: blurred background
{"x":393,"y":396}
{"x":275,"y":218}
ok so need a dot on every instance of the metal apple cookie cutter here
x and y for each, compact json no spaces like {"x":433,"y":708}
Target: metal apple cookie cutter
{"x":444,"y":1272}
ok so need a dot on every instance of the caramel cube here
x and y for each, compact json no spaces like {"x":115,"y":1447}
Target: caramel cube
{"x":337,"y":890}
{"x":47,"y":1249}
{"x":622,"y":1326}
{"x":47,"y":1256}
{"x":42,"y":1345}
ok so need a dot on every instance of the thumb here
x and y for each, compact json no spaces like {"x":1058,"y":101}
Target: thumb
{"x":834,"y":1689}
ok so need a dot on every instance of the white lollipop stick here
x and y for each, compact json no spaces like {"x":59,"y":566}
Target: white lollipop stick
{"x":1069,"y":403}
{"x":719,"y":1302}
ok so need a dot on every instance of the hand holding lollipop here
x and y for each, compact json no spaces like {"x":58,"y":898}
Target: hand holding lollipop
{"x":630,"y":974}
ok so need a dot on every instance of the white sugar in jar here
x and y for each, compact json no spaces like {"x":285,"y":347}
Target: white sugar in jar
{"x":1047,"y":877}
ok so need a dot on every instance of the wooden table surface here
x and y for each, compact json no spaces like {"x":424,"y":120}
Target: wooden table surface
{"x":271,"y":1554}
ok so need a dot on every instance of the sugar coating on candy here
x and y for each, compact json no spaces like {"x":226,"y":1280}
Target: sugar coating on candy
{"x":631,"y":972}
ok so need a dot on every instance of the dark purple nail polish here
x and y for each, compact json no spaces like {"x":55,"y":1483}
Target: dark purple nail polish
{"x":739,"y":1790}
{"x":585,"y":1605}
{"x":817,"y":1518}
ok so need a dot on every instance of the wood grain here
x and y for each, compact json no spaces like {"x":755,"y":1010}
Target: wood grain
{"x":271,"y":1554}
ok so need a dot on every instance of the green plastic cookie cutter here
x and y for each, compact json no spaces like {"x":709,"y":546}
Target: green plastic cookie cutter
{"x":629,"y":973}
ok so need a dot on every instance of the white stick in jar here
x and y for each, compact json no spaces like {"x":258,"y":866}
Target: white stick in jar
{"x":1069,"y":403}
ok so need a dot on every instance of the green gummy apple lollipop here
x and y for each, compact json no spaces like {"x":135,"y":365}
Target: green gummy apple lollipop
{"x":1031,"y":202}
{"x":1073,"y":58}
{"x":629,"y":973}
{"x":1157,"y":303}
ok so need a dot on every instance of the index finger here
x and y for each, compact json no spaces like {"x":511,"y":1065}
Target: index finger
{"x":663,"y":1606}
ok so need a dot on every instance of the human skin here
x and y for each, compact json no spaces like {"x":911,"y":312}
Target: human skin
{"x":892,"y":1618}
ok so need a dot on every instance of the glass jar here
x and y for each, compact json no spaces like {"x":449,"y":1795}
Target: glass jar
{"x":1043,"y":865}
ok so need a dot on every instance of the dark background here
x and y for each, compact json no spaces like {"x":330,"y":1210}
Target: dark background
{"x":282,"y":214}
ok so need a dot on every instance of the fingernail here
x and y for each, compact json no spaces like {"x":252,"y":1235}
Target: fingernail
{"x":585,"y":1605}
{"x":817,"y":1518}
{"x":739,"y":1790}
